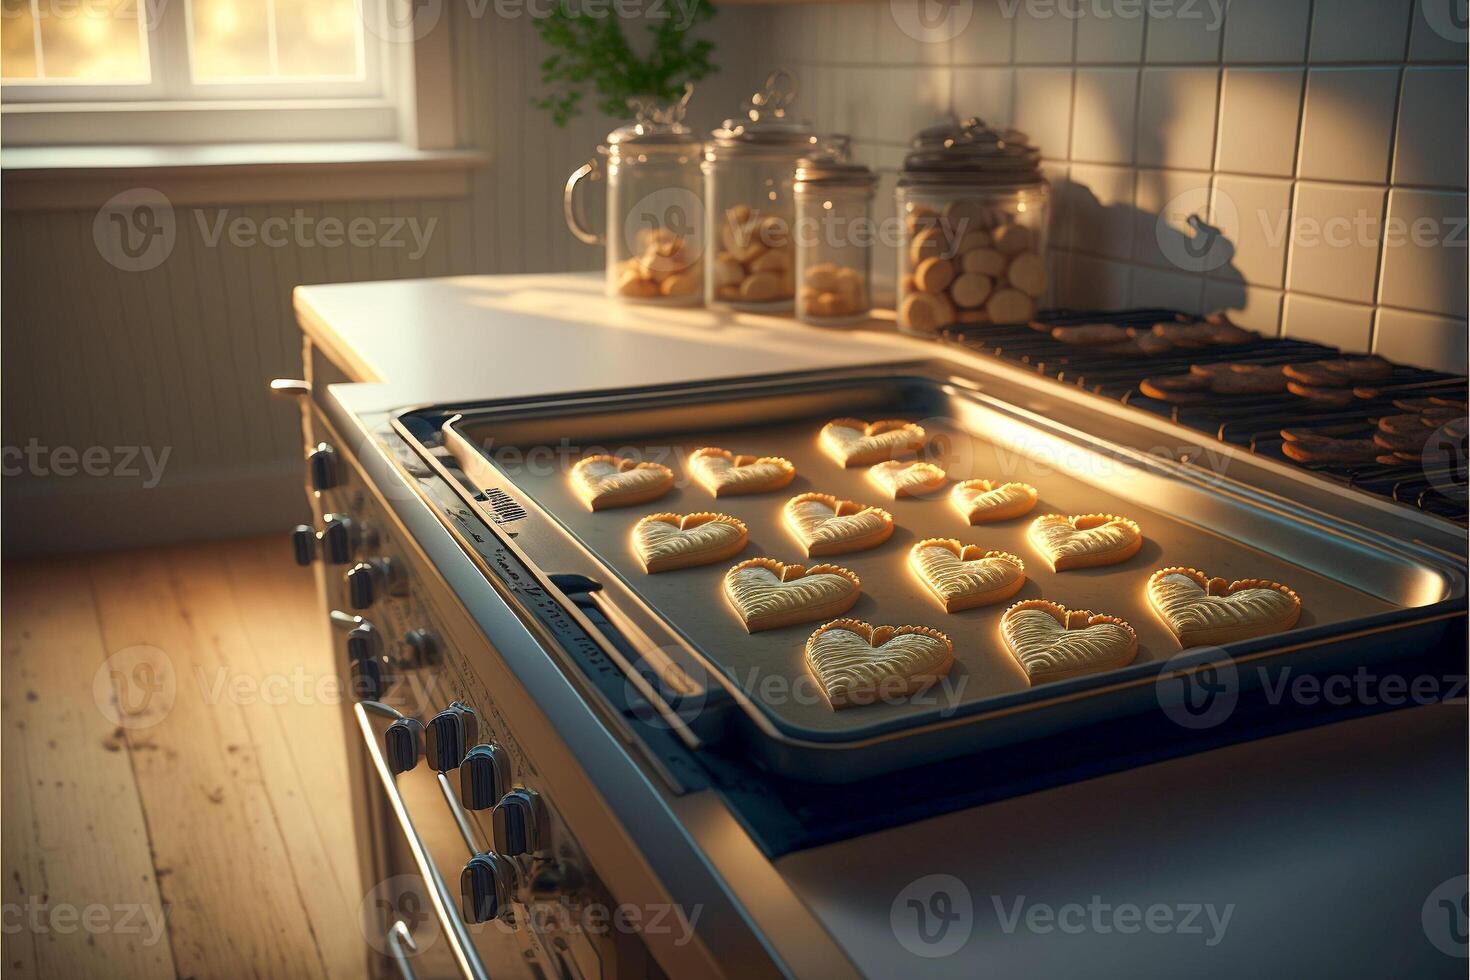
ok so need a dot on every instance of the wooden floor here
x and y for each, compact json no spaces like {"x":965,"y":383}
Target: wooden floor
{"x":174,"y":776}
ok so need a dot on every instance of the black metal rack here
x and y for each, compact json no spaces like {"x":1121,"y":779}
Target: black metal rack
{"x":1436,"y":484}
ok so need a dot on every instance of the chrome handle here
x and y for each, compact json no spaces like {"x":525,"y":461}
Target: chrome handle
{"x":399,"y":937}
{"x":440,"y":896}
{"x":290,"y":388}
{"x":461,"y":819}
{"x":571,"y":211}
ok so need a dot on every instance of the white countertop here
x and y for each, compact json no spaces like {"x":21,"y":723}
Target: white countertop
{"x":475,"y":337}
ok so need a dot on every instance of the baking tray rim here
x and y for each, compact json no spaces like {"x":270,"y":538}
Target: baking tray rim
{"x":1448,"y":608}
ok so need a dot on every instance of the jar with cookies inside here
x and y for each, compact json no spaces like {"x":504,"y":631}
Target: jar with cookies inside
{"x":749,"y":169}
{"x":834,"y":238}
{"x":655,"y":210}
{"x":974,"y":208}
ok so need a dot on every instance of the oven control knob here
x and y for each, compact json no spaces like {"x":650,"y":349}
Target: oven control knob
{"x":403,"y":742}
{"x":303,"y":544}
{"x":449,"y":735}
{"x":485,"y":887}
{"x":361,"y":585}
{"x":371,"y":675}
{"x":363,"y":642}
{"x":368,"y":680}
{"x":321,"y":464}
{"x":337,"y":539}
{"x":484,"y":776}
{"x":516,"y":820}
{"x":421,"y":647}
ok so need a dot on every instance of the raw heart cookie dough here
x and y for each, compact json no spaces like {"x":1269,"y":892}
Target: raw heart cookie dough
{"x":1202,"y":611}
{"x":983,"y":501}
{"x":601,"y":482}
{"x":828,"y":525}
{"x":962,"y":576}
{"x":1053,"y":643}
{"x":767,"y":594}
{"x":1085,"y":540}
{"x":725,"y":474}
{"x":854,"y":662}
{"x":853,"y":442}
{"x":665,"y":542}
{"x":900,"y":479}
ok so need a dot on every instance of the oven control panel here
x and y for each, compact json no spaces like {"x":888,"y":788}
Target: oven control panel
{"x":402,"y":640}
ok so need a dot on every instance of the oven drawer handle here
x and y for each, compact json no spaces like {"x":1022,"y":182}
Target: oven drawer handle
{"x":440,"y":897}
{"x":399,"y":937}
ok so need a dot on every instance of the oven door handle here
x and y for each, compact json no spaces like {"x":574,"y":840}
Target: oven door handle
{"x":440,"y":897}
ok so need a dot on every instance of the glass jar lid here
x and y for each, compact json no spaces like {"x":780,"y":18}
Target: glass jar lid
{"x":654,"y":126}
{"x":971,"y":152}
{"x":831,"y":168}
{"x":768,"y":125}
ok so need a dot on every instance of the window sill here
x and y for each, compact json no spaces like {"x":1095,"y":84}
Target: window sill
{"x":60,"y":177}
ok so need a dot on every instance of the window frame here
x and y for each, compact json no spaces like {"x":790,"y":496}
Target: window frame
{"x":173,"y":108}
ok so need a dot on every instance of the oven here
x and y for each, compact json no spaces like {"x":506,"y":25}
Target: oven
{"x":562,"y":768}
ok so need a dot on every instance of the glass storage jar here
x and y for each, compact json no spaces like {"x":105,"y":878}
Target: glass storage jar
{"x":749,"y":166}
{"x":974,"y":208}
{"x":655,"y":212}
{"x":834,"y":240}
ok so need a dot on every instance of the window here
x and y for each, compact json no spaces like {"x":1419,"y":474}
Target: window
{"x":322,"y":67}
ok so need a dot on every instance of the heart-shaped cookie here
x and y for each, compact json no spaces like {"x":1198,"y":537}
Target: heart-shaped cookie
{"x":853,"y":442}
{"x":725,"y":474}
{"x":1084,"y":540}
{"x":963,"y":576}
{"x":668,"y":541}
{"x":1201,"y":610}
{"x":612,"y":481}
{"x":1052,"y":643}
{"x":767,"y":594}
{"x":983,"y":501}
{"x":828,"y":525}
{"x":857,"y":663}
{"x":899,"y":479}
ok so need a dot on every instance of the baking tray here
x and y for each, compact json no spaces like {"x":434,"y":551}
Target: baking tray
{"x":1353,"y":582}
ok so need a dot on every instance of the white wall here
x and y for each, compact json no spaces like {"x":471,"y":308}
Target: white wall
{"x":176,"y":359}
{"x":1327,"y":127}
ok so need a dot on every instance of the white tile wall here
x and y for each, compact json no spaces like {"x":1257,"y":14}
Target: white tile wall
{"x":1424,"y":252}
{"x":1262,"y":209}
{"x":1260,"y":112}
{"x":1184,"y":33}
{"x":1326,"y":321}
{"x":1265,"y":119}
{"x":1347,"y":123}
{"x":1264,"y":31}
{"x":1417,"y":338}
{"x":1108,"y":39}
{"x":1428,"y":149}
{"x":1103,"y":115}
{"x":1359,"y":30}
{"x":1336,"y":234}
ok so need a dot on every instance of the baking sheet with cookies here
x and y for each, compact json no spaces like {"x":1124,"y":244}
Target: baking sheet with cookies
{"x":970,"y":441}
